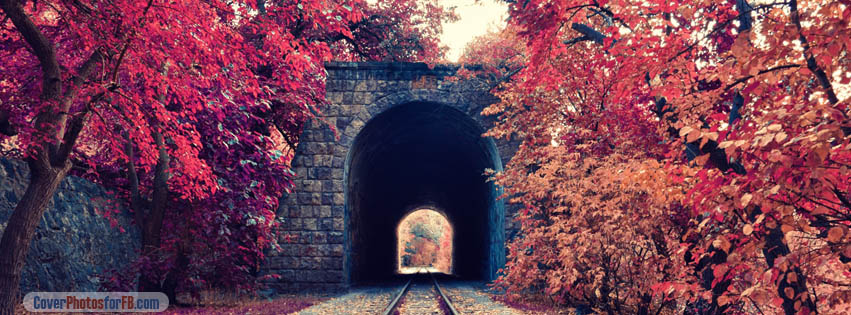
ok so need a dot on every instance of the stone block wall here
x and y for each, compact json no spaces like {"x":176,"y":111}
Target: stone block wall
{"x":314,"y":212}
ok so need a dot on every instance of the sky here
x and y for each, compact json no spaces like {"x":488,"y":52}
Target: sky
{"x":475,"y":19}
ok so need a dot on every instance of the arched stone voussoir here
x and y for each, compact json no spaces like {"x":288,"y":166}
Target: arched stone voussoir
{"x":438,"y":96}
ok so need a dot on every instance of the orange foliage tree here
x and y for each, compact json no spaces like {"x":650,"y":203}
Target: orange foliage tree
{"x":680,"y":155}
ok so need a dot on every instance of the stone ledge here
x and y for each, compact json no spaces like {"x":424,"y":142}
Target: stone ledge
{"x":395,"y":66}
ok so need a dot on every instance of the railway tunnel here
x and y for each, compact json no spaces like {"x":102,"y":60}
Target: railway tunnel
{"x":414,"y":155}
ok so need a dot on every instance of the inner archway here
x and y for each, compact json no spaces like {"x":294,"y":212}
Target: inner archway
{"x":413,"y":154}
{"x":424,"y":243}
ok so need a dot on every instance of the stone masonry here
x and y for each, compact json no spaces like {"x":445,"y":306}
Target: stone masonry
{"x":74,"y":245}
{"x":314,"y":212}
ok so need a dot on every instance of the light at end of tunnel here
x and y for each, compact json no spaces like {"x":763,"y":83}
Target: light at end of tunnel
{"x":425,"y":240}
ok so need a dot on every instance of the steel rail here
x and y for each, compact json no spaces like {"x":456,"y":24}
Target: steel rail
{"x":395,"y":302}
{"x":445,"y":298}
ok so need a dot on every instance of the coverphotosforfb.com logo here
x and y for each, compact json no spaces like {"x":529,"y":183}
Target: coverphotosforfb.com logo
{"x":95,"y":302}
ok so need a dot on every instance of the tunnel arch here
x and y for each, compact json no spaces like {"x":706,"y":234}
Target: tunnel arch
{"x":414,"y":149}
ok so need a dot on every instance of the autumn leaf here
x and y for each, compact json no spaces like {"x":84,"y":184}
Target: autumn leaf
{"x":723,"y":300}
{"x":835,"y":234}
{"x":722,"y":243}
{"x":746,"y":199}
{"x":747,"y":229}
{"x":774,"y":189}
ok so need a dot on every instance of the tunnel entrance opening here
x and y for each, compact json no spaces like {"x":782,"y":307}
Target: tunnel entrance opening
{"x":424,"y":243}
{"x":413,"y":154}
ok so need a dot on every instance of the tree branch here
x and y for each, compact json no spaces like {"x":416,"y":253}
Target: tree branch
{"x":70,"y":138}
{"x":577,"y":40}
{"x":51,"y":88}
{"x":133,"y":179}
{"x":824,"y":81}
{"x":744,"y":15}
{"x":844,"y":200}
{"x":745,"y":20}
{"x":745,"y":79}
{"x":506,"y":77}
{"x":588,"y":32}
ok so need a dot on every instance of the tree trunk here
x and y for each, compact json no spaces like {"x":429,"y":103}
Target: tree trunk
{"x":644,"y":304}
{"x":152,"y":224}
{"x":175,"y":275}
{"x":5,"y":125}
{"x":50,"y":164}
{"x":15,"y":243}
{"x":793,"y":281}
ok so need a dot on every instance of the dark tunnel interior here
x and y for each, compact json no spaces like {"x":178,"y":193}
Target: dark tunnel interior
{"x":413,"y":155}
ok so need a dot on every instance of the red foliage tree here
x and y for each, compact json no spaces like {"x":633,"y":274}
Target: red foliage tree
{"x":177,"y":105}
{"x":396,"y":30}
{"x":740,"y":106}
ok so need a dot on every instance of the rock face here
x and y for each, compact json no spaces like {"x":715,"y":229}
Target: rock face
{"x":73,"y":243}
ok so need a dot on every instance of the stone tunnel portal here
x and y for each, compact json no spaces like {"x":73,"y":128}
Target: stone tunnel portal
{"x":421,"y":154}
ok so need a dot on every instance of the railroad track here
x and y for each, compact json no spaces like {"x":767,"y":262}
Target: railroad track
{"x":441,"y":295}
